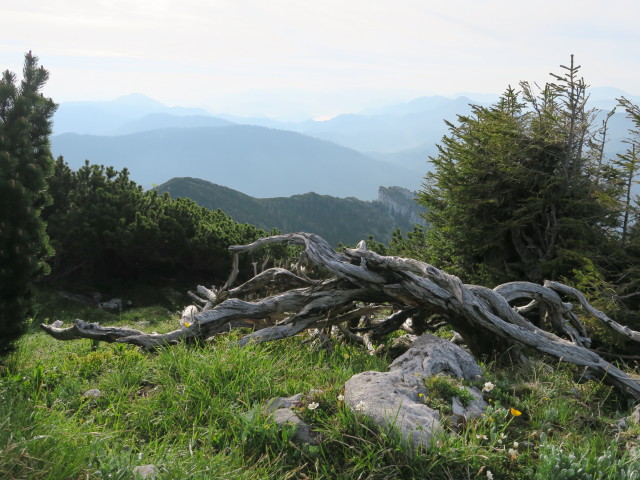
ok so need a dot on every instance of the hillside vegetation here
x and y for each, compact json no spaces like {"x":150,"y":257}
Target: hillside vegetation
{"x":337,"y":220}
{"x":107,"y":229}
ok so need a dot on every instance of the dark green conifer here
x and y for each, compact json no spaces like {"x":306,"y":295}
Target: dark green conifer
{"x":512,"y":195}
{"x":25,"y":163}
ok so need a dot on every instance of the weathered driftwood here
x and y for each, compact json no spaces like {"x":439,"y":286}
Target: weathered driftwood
{"x":488,"y":320}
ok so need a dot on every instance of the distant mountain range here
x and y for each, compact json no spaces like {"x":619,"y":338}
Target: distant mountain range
{"x":262,"y":161}
{"x":349,"y":155}
{"x":346,"y":220}
{"x":108,"y":117}
{"x":403,"y":134}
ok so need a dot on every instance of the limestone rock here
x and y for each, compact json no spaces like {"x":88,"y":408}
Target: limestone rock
{"x":93,"y":393}
{"x":303,"y":432}
{"x":282,"y":402}
{"x":395,"y":399}
{"x":281,"y":407}
{"x":391,"y":399}
{"x":430,"y":355}
{"x":115,"y":304}
{"x":145,"y":471}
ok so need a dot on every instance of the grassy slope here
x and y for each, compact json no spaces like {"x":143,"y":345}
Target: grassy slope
{"x":196,"y":412}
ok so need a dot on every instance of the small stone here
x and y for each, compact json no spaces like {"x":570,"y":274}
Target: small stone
{"x":115,"y":304}
{"x":57,"y":324}
{"x":303,"y":433}
{"x":621,"y":425}
{"x":93,"y":393}
{"x":283,"y":402}
{"x":635,"y":416}
{"x":145,"y":471}
{"x":457,"y":422}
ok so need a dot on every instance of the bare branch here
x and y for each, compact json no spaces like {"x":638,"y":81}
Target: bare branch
{"x":487,"y":320}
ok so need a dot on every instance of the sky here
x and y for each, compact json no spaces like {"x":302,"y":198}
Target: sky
{"x":292,"y":58}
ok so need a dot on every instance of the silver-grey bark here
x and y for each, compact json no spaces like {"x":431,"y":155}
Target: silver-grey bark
{"x":487,"y":320}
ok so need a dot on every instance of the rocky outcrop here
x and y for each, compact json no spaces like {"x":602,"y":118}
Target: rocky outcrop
{"x":395,"y":400}
{"x":400,"y":203}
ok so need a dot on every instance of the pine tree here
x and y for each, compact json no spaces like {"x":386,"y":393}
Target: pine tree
{"x":25,"y":163}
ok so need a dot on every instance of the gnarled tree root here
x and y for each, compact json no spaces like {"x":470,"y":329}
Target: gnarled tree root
{"x":487,"y":320}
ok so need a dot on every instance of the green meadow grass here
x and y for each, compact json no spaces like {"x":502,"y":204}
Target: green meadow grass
{"x":197,"y":412}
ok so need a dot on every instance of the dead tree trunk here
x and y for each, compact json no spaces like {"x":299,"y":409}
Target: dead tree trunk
{"x":488,"y":320}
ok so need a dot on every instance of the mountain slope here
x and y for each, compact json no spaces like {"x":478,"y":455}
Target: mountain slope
{"x":261,"y":161}
{"x":155,"y":121}
{"x":346,"y":220}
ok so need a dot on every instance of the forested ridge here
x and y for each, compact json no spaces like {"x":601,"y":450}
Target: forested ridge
{"x":337,"y":220}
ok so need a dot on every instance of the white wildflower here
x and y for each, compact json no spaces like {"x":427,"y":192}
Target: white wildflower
{"x":313,"y":405}
{"x":489,"y":475}
{"x":360,"y":406}
{"x":513,"y":453}
{"x":516,"y":444}
{"x":341,"y":398}
{"x":488,"y":386}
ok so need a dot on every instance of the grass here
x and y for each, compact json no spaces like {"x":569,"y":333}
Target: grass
{"x":197,"y":412}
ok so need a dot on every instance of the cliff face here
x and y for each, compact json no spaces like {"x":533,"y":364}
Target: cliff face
{"x":400,"y":203}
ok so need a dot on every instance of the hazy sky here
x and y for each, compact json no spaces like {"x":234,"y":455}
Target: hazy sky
{"x":322,"y":54}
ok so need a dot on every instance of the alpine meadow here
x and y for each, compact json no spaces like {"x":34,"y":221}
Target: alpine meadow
{"x":173,"y":306}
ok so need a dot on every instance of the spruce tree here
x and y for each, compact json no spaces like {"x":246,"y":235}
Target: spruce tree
{"x":512,"y":195}
{"x":628,"y":165}
{"x":25,"y":163}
